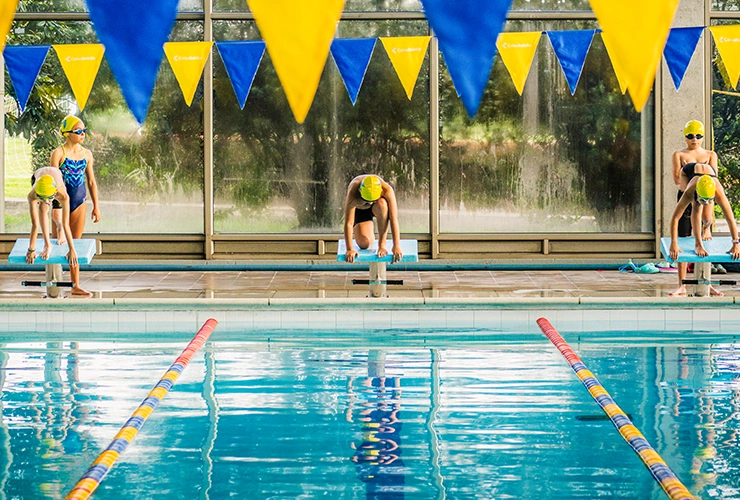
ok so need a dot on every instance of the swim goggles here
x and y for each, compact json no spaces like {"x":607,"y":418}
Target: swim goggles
{"x":46,"y":198}
{"x":691,"y":136}
{"x":81,"y":131}
{"x":704,"y":201}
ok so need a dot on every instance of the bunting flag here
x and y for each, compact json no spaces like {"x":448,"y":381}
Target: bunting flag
{"x":517,"y":52}
{"x":679,"y":50}
{"x":7,"y":13}
{"x":352,"y":57}
{"x":571,"y":49}
{"x":636,"y":32}
{"x":727,"y":40}
{"x":298,"y":35}
{"x":241,"y":60}
{"x":187,"y":60}
{"x":24,"y":63}
{"x":134,"y":34}
{"x":407,"y":55}
{"x":621,"y":78}
{"x":80,"y":63}
{"x":467,"y":31}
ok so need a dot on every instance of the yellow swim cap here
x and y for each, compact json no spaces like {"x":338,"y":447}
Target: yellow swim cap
{"x":371,"y":188}
{"x":694,"y":127}
{"x":45,"y":186}
{"x":705,"y":187}
{"x":68,"y":122}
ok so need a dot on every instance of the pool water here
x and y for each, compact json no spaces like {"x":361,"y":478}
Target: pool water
{"x":249,"y":420}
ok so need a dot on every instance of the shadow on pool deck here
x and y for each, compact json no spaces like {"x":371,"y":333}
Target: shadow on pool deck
{"x":335,"y":284}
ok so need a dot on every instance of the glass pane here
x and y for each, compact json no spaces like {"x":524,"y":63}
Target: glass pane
{"x":79,"y":6}
{"x":273,"y":175}
{"x":150,"y":178}
{"x":726,"y":132}
{"x":725,"y":5}
{"x":350,"y":5}
{"x":546,"y":161}
{"x":551,"y":5}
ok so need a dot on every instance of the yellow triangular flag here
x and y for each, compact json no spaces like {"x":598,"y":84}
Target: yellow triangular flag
{"x":187,"y":60}
{"x":80,"y":63}
{"x":7,"y":13}
{"x":298,"y":34}
{"x":636,"y":32}
{"x":621,"y":79}
{"x":727,"y":40}
{"x":517,"y":52}
{"x":407,"y":55}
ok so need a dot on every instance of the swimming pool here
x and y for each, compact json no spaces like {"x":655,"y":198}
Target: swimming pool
{"x":389,"y":414}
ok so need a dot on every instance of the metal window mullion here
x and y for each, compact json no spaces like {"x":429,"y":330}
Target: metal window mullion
{"x":208,"y":111}
{"x":434,"y":145}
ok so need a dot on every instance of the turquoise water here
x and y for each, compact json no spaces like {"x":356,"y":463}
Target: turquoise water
{"x":494,"y":419}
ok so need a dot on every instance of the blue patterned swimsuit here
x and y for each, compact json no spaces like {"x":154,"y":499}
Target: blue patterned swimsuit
{"x":73,"y":172}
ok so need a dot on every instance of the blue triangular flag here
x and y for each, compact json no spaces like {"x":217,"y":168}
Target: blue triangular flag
{"x":24,"y":63}
{"x":352,"y":56}
{"x":134,"y":34}
{"x":571,"y":48}
{"x":467,"y":31}
{"x":679,"y":49}
{"x":241,"y":59}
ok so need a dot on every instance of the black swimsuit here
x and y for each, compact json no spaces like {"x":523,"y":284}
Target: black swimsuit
{"x":363,"y":215}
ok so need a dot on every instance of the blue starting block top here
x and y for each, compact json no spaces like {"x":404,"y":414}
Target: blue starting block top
{"x":410,"y":249}
{"x":85,"y":252}
{"x":717,"y":248}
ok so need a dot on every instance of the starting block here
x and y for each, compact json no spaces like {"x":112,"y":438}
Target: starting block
{"x":85,"y":252}
{"x":717,"y":249}
{"x":377,"y":279}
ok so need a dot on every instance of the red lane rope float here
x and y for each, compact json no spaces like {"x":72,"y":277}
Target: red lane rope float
{"x":663,"y":474}
{"x":89,"y":482}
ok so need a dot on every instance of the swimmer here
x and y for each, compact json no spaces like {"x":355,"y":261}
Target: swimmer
{"x":368,"y":197}
{"x":48,"y":187}
{"x":702,"y":190}
{"x":76,"y":165}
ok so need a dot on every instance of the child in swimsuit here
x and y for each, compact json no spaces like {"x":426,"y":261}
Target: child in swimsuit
{"x":76,"y":165}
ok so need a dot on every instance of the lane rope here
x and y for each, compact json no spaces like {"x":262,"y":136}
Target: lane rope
{"x":89,"y":481}
{"x":663,"y":474}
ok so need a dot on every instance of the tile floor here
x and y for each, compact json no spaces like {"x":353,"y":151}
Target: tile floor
{"x":333,"y":284}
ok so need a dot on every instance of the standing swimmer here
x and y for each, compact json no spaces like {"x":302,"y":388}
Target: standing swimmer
{"x":76,"y":165}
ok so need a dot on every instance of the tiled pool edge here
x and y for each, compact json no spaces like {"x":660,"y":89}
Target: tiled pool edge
{"x":499,"y":315}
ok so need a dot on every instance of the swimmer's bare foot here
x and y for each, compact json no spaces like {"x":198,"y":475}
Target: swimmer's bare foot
{"x":714,"y":292}
{"x":706,"y":234}
{"x":79,"y":291}
{"x":61,"y":240}
{"x":679,"y":292}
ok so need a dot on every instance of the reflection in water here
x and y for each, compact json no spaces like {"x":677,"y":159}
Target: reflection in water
{"x":378,"y":457}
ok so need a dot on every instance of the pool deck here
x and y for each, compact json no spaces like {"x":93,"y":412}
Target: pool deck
{"x":526,"y":284}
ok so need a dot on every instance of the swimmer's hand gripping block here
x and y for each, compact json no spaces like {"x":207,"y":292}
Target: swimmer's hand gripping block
{"x":85,"y":252}
{"x":410,"y":249}
{"x":717,"y":248}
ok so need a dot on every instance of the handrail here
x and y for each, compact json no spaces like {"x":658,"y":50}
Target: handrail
{"x":89,"y":482}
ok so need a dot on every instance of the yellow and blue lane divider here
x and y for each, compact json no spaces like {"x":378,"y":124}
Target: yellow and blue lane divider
{"x":662,"y":473}
{"x":89,"y":482}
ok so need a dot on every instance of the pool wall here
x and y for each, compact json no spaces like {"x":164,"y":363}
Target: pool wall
{"x":515,"y":315}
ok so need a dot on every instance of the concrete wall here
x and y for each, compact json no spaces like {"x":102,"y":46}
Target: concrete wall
{"x":676,"y":108}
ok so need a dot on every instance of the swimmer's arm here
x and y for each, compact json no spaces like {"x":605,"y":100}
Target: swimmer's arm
{"x":56,"y":158}
{"x":92,"y":186}
{"x":724,"y":204}
{"x":713,"y":160}
{"x":72,"y":255}
{"x":680,"y":208}
{"x":676,"y":161}
{"x":349,"y":221}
